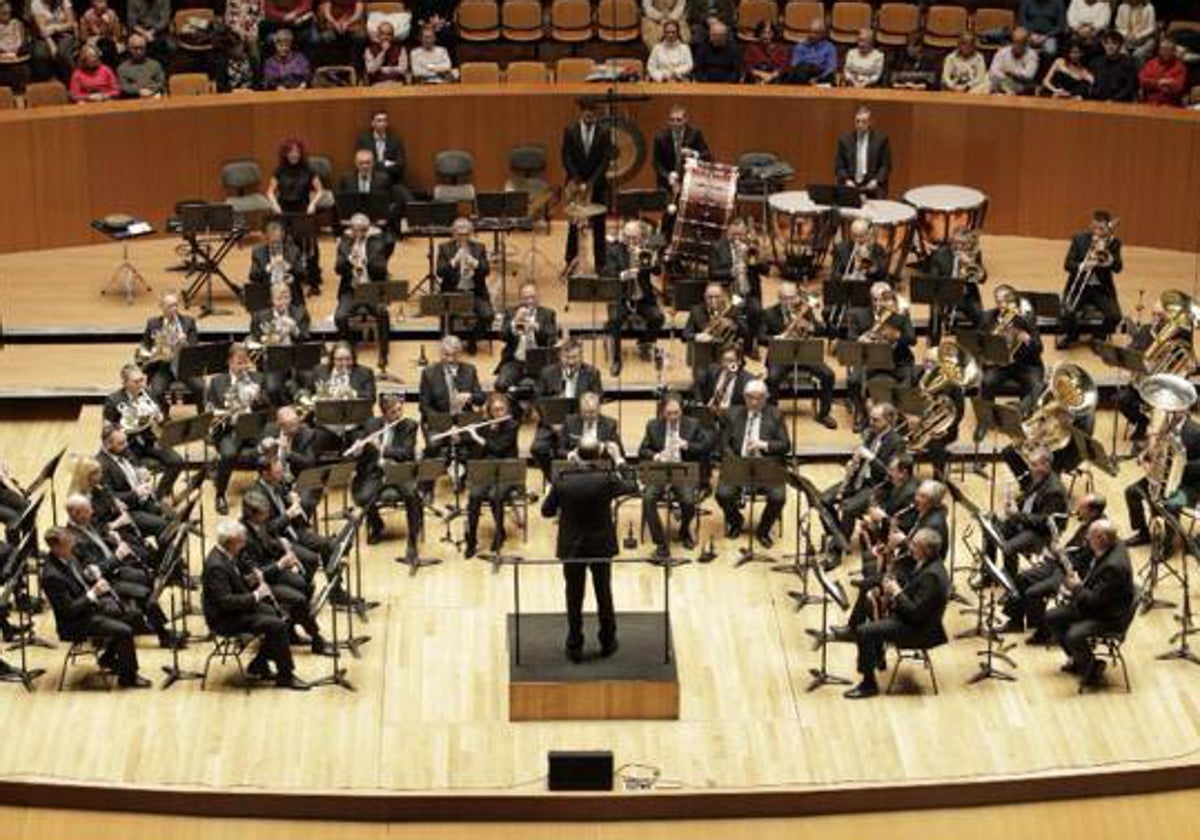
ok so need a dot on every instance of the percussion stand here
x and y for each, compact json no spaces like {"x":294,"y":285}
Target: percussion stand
{"x":126,"y":278}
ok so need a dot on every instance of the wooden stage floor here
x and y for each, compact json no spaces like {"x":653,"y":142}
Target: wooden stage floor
{"x":430,"y":711}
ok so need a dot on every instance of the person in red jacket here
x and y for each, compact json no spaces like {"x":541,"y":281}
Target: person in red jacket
{"x":1164,"y":77}
{"x":93,"y":81}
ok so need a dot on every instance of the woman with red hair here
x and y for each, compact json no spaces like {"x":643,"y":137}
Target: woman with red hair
{"x":295,"y":188}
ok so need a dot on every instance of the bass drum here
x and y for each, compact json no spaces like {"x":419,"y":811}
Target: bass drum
{"x":707,"y":196}
{"x":629,"y":148}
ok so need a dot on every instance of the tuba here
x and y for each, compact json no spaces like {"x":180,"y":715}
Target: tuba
{"x":1170,"y":349}
{"x":1070,"y":394}
{"x":1170,"y":398}
{"x":952,"y":367}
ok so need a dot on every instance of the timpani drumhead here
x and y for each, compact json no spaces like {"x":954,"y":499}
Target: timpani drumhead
{"x":945,"y":197}
{"x":795,"y":203}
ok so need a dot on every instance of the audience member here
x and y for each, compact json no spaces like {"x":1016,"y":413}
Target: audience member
{"x":656,"y":14}
{"x":814,"y":60}
{"x":342,"y":25}
{"x":863,"y":66}
{"x":767,"y":57}
{"x":440,"y":15}
{"x":431,"y":62}
{"x":236,"y":69}
{"x":701,"y":14}
{"x":914,"y":68}
{"x":287,"y":68}
{"x":1068,"y":77}
{"x":244,"y":18}
{"x":15,"y":45}
{"x":100,"y":27}
{"x":964,"y":71}
{"x":385,"y":61}
{"x":1014,"y":67}
{"x":717,"y":58}
{"x":1114,"y":74}
{"x":1164,"y":77}
{"x":1137,"y":25}
{"x":92,"y":79}
{"x":671,"y":58}
{"x":141,"y":77}
{"x":152,"y":20}
{"x":1087,"y":20}
{"x":56,"y":29}
{"x":295,"y":16}
{"x":400,"y":19}
{"x":1045,"y":21}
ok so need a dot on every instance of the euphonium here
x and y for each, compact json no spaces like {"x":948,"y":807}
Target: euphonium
{"x":951,"y":368}
{"x":1071,"y":393}
{"x":1006,"y":327}
{"x":1170,"y":349}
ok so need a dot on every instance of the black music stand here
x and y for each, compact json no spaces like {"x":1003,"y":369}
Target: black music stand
{"x":994,"y":578}
{"x":341,"y":415}
{"x":411,"y":474}
{"x":335,"y":570}
{"x":538,"y":359}
{"x":941,"y":294}
{"x":375,"y":298}
{"x":554,"y":411}
{"x":838,"y":297}
{"x":593,"y":290}
{"x":376,"y":206}
{"x":1184,"y":652}
{"x":285,"y":359}
{"x":802,"y":560}
{"x":687,"y":293}
{"x":250,"y":426}
{"x":318,"y":481}
{"x":831,"y":590}
{"x":28,"y":605}
{"x":430,"y":219}
{"x":446,"y":305}
{"x":752,"y":474}
{"x":502,"y":213}
{"x":668,"y":475}
{"x":870,"y":356}
{"x":46,"y":476}
{"x":256,"y":297}
{"x":1132,"y":362}
{"x":634,"y":204}
{"x":796,"y":353}
{"x":10,"y":579}
{"x":179,"y":433}
{"x":176,"y":559}
{"x":494,"y":475}
{"x":217,"y":224}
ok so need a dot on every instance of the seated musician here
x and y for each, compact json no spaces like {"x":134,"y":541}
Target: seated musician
{"x":722,"y":385}
{"x":267,"y":552}
{"x":589,"y":423}
{"x":907,"y":615}
{"x":1026,"y":608}
{"x":288,"y":518}
{"x":1024,"y":372}
{"x":344,"y":378}
{"x":365,"y":179}
{"x":527,"y":325}
{"x":941,"y":384}
{"x":129,"y":484}
{"x":388,"y":438}
{"x":110,"y":518}
{"x":673,"y":438}
{"x":158,"y":353}
{"x":960,"y":259}
{"x":294,"y":443}
{"x":631,"y":260}
{"x":88,"y":608}
{"x":734,"y":261}
{"x":135,"y":411}
{"x":867,"y":469}
{"x":362,"y":257}
{"x":1094,"y":257}
{"x":717,"y":321}
{"x":570,"y":378}
{"x":796,"y":317}
{"x":892,"y":505}
{"x":491,"y":443}
{"x":282,"y":324}
{"x":860,"y":257}
{"x":238,"y":391}
{"x":278,"y":260}
{"x":448,"y":386}
{"x":233,"y":605}
{"x":1025,"y":527}
{"x":1176,"y":436}
{"x":887,"y":322}
{"x":1166,"y":347}
{"x":462,"y":268}
{"x":755,"y":430}
{"x":1099,"y":601}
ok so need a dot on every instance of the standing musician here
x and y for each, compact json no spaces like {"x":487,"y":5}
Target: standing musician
{"x":866,"y":470}
{"x":755,"y":430}
{"x":135,"y":412}
{"x":722,"y":385}
{"x":344,"y":378}
{"x":582,"y":498}
{"x":230,"y":395}
{"x":278,"y":260}
{"x":389,"y":438}
{"x":570,"y":377}
{"x":959,"y":259}
{"x":631,"y":260}
{"x":88,"y":608}
{"x":158,"y":353}
{"x":449,"y":386}
{"x":864,"y":158}
{"x":734,"y":261}
{"x":1176,"y":436}
{"x":673,"y":145}
{"x":1166,"y":345}
{"x":362,"y":257}
{"x":1092,"y":261}
{"x":589,"y":423}
{"x":673,"y":438}
{"x":908,"y":615}
{"x":462,"y":267}
{"x":796,"y":317}
{"x":586,"y":151}
{"x":1042,"y":581}
{"x":717,"y":321}
{"x":1024,"y":373}
{"x":529,"y":325}
{"x":491,"y":443}
{"x":860,"y":257}
{"x":128,"y":483}
{"x":1099,"y":602}
{"x":1026,"y":526}
{"x":234,"y":605}
{"x":281,"y":324}
{"x":887,"y":321}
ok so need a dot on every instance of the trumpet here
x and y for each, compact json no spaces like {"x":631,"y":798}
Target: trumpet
{"x":524,"y":327}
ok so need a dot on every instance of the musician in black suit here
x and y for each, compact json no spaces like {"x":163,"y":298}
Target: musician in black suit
{"x":631,"y":260}
{"x":734,"y":261}
{"x":755,"y":430}
{"x":282,"y":324}
{"x":1095,"y":257}
{"x":929,"y":511}
{"x":278,"y":260}
{"x":491,"y":443}
{"x":960,"y":259}
{"x":1040,"y":582}
{"x":345,"y":376}
{"x":722,"y":385}
{"x":133,"y":409}
{"x":586,"y":151}
{"x":1101,"y":601}
{"x":233,"y":606}
{"x":673,"y":438}
{"x":910,"y":615}
{"x":1025,"y":373}
{"x":450,"y":385}
{"x":717,"y":306}
{"x":365,"y":179}
{"x":526,"y":326}
{"x":1129,"y":402}
{"x":121,"y":477}
{"x":462,"y":268}
{"x":1026,"y":525}
{"x":864,"y":158}
{"x":176,"y":331}
{"x":588,"y":423}
{"x":570,"y":378}
{"x":582,"y":498}
{"x":89,"y":609}
{"x":867,"y":469}
{"x":288,"y":519}
{"x":235,"y":392}
{"x":1188,"y":493}
{"x":885,"y":322}
{"x":859,"y":257}
{"x":362,"y":257}
{"x":297,"y":446}
{"x":388,"y":438}
{"x":892,"y":503}
{"x":794,"y":318}
{"x":668,"y":153}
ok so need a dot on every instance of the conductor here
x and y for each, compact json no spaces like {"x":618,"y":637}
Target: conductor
{"x":582,"y":497}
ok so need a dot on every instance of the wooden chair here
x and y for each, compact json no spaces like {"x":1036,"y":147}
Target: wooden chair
{"x":7,"y":100}
{"x":798,"y":16}
{"x":39,"y":94}
{"x":847,"y":19}
{"x":189,"y":84}
{"x":631,"y":67}
{"x":896,"y":22}
{"x":479,"y":73}
{"x":526,"y":72}
{"x":750,"y":13}
{"x":478,"y":21}
{"x":521,"y":21}
{"x":943,"y":26}
{"x":571,"y":22}
{"x":573,"y":69}
{"x":618,"y":21}
{"x":989,"y":20}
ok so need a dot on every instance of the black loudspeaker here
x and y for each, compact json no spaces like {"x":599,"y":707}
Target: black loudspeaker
{"x":581,"y":770}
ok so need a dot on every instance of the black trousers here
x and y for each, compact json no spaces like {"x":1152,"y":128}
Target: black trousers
{"x":264,"y":620}
{"x":730,"y":500}
{"x":1102,"y":297}
{"x":1021,"y":380}
{"x":1135,"y":502}
{"x":346,"y":311}
{"x":620,"y":313}
{"x":474,"y":328}
{"x":292,"y":592}
{"x":778,"y":374}
{"x":169,"y":464}
{"x":229,"y":448}
{"x":852,"y":506}
{"x":598,"y":244}
{"x":494,"y":497}
{"x":1018,"y":540}
{"x":1071,"y":629}
{"x":1133,"y":409}
{"x":542,"y":449}
{"x":869,"y":639}
{"x":575,"y":576}
{"x":686,"y":497}
{"x":1035,"y":586}
{"x":160,"y":377}
{"x":117,"y":635}
{"x":369,"y":492}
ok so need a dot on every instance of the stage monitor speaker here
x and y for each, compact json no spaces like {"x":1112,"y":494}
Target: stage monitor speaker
{"x":581,"y":770}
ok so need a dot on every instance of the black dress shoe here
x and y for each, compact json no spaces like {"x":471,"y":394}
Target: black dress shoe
{"x":222,"y":506}
{"x":470,"y":550}
{"x":688,"y":541}
{"x":291,"y":681}
{"x":827,"y":421}
{"x":1069,"y":667}
{"x":610,"y":648}
{"x":261,"y":669}
{"x":136,"y":681}
{"x":498,"y":540}
{"x":321,"y":647}
{"x":765,"y":539}
{"x":374,"y":536}
{"x":1095,"y":673}
{"x":862,"y":691}
{"x":575,"y":654}
{"x":661,"y":552}
{"x":1139,"y":539}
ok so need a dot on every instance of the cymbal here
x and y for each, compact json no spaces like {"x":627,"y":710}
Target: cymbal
{"x":585,"y":210}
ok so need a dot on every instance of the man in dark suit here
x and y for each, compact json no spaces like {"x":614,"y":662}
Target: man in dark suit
{"x":884,"y":323}
{"x":491,"y":443}
{"x":288,"y":519}
{"x":673,"y":438}
{"x":297,"y":446}
{"x":864,"y":159}
{"x":121,"y":477}
{"x":238,"y":390}
{"x":588,"y":423}
{"x":959,"y":259}
{"x":344,"y":376}
{"x":673,"y":145}
{"x":1026,"y":524}
{"x":582,"y":498}
{"x":174,"y":331}
{"x":716,"y":305}
{"x":1096,"y":254}
{"x":755,"y":430}
{"x":233,"y":606}
{"x":569,"y":378}
{"x":734,"y":261}
{"x":1188,"y":493}
{"x":390,"y":438}
{"x":282,"y":324}
{"x":278,"y":260}
{"x":528,"y":325}
{"x":1025,"y":372}
{"x":449,"y":386}
{"x":631,"y":261}
{"x":586,"y":150}
{"x":722,"y":385}
{"x":362,"y":257}
{"x":462,"y":268}
{"x":367,"y":180}
{"x":859,"y":257}
{"x":135,"y":400}
{"x":1129,"y":402}
{"x":1100,"y":601}
{"x":914,"y":617}
{"x":89,"y":608}
{"x":777,"y":320}
{"x":387,"y":151}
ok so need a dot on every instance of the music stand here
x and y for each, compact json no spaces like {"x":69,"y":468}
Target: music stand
{"x":701,"y":355}
{"x":502,"y":213}
{"x":752,"y":474}
{"x":216,"y":222}
{"x":994,"y":578}
{"x":334,"y":571}
{"x":10,"y":579}
{"x":831,"y":590}
{"x":411,"y":474}
{"x":250,"y":426}
{"x":838,"y":297}
{"x":1131,"y":361}
{"x":554,"y":411}
{"x":376,"y":206}
{"x":446,"y":305}
{"x":802,"y":560}
{"x":176,"y":434}
{"x":1092,"y":450}
{"x":633,"y":204}
{"x":375,"y":298}
{"x":796,"y":353}
{"x":538,"y":359}
{"x":941,"y":294}
{"x":1184,"y":652}
{"x":869,"y":356}
{"x":285,"y":359}
{"x":340,"y":415}
{"x":593,"y":290}
{"x":126,"y":278}
{"x":46,"y":475}
{"x":256,"y":297}
{"x":494,"y":475}
{"x":667,"y":476}
{"x":837,"y":196}
{"x":430,"y":219}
